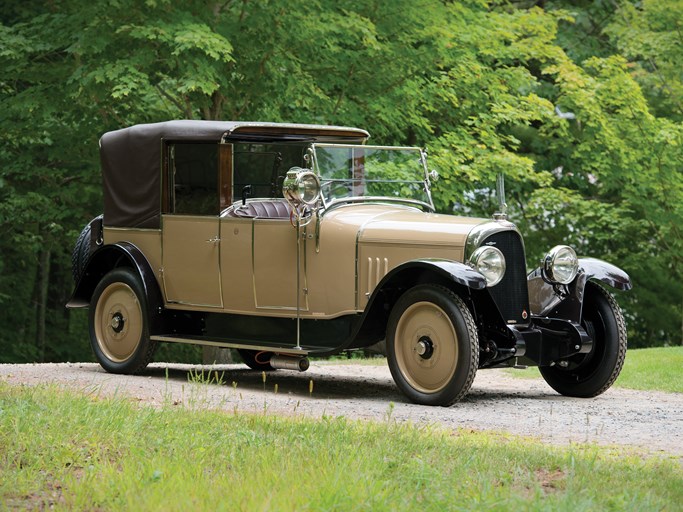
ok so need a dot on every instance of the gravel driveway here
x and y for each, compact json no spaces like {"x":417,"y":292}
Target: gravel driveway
{"x":651,"y":422}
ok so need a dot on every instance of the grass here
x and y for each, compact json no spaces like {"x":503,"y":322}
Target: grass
{"x":649,"y":369}
{"x":65,"y":451}
{"x":357,"y":359}
{"x":653,"y":369}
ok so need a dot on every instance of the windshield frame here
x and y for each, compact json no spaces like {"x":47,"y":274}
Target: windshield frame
{"x":425,"y":181}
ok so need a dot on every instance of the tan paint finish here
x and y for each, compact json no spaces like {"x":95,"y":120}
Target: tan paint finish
{"x":331,"y":271}
{"x":190,"y":260}
{"x":147,"y":240}
{"x":377,"y":259}
{"x":118,"y":322}
{"x":426,"y":320}
{"x":399,"y":235}
{"x":412,"y":226}
{"x":387,"y":235}
{"x":236,"y":265}
{"x":274,"y":265}
{"x":256,"y":258}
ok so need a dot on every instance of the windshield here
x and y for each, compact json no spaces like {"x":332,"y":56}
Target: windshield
{"x":371,"y":172}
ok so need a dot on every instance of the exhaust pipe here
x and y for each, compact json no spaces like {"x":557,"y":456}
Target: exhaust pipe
{"x":281,"y":362}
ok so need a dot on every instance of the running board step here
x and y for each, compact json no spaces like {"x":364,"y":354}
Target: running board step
{"x":229,"y":344}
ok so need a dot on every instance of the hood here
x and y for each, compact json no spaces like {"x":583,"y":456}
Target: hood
{"x":401,"y":224}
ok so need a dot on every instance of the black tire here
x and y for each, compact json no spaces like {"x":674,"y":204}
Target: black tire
{"x":432,"y":345}
{"x":254,"y":359}
{"x":82,"y":250}
{"x":119,"y":324}
{"x":588,"y":375}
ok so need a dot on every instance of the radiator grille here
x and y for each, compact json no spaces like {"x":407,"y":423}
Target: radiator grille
{"x":511,"y":294}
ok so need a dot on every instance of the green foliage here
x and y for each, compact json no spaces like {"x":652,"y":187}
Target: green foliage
{"x":577,"y":102}
{"x":69,"y":452}
{"x":649,"y":34}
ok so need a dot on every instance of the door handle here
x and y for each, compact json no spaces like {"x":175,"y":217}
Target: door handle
{"x":213,"y":240}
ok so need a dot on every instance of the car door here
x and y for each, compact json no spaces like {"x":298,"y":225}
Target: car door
{"x":191,"y":236}
{"x":260,"y":264}
{"x":275,"y":265}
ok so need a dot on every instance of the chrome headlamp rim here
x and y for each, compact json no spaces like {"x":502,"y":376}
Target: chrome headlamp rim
{"x":555,"y":263}
{"x":477,"y":261}
{"x":294,"y":188}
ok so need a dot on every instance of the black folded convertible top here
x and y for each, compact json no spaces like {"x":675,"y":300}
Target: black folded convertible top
{"x":132,"y":164}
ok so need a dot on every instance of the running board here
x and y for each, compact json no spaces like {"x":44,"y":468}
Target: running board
{"x":228,"y":344}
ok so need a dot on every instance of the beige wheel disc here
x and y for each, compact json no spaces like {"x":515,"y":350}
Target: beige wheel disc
{"x":426,"y":347}
{"x":118,"y":322}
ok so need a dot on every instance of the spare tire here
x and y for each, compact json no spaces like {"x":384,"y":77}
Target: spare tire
{"x":84,"y":247}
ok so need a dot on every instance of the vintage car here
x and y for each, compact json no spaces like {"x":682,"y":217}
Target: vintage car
{"x":290,"y":241}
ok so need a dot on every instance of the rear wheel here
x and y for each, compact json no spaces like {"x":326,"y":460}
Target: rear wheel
{"x":588,"y":375}
{"x":82,"y":250}
{"x":119,"y":327}
{"x":432,"y":345}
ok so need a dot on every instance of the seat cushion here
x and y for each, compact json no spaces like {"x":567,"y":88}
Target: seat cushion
{"x":263,"y":209}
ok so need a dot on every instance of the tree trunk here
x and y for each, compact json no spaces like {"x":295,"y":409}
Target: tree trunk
{"x":215,"y":355}
{"x":43,"y":280}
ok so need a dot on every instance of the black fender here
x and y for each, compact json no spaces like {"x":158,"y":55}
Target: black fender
{"x":566,"y":302}
{"x":448,"y":270}
{"x":371,"y":326}
{"x":611,"y":275}
{"x":105,"y":259}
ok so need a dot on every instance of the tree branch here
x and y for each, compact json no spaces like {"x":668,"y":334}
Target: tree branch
{"x":170,"y":98}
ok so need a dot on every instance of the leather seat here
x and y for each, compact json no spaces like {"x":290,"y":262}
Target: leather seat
{"x":263,"y":209}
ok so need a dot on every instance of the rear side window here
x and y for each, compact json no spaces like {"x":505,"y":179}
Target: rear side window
{"x":194,"y":182}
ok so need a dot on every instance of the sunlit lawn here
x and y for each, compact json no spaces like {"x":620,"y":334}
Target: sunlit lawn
{"x":64,"y":451}
{"x":652,"y":369}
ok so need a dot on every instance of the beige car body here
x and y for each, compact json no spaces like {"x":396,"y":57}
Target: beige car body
{"x":220,"y":234}
{"x":341,"y":265}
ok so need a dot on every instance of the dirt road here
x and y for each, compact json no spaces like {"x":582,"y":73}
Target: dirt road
{"x":650,"y":422}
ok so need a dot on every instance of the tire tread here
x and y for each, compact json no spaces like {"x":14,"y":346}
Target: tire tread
{"x":474,"y":340}
{"x":621,"y":327}
{"x":584,"y":388}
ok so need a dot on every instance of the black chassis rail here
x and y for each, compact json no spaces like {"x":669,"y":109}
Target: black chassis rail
{"x":545,"y":341}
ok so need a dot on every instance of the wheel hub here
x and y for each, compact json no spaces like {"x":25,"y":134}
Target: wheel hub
{"x":117,"y":322}
{"x":424,"y":347}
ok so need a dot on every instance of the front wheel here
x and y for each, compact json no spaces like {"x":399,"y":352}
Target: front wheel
{"x":432,"y":345}
{"x":119,"y":327}
{"x":588,"y":375}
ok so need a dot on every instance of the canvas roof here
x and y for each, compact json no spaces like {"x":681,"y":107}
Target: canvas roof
{"x":131,"y":159}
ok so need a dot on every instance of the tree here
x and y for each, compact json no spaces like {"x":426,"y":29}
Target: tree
{"x":575,"y":101}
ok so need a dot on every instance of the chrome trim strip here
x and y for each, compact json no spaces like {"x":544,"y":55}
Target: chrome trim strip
{"x":226,"y":344}
{"x":428,"y":182}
